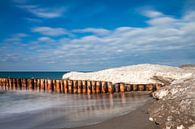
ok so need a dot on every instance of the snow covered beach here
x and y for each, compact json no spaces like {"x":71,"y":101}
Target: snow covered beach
{"x":175,"y":102}
{"x":134,"y":74}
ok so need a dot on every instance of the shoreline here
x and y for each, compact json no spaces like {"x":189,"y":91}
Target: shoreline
{"x":137,"y":119}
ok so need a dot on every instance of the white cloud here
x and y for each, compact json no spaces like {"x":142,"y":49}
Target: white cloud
{"x":50,"y":31}
{"x":43,"y":12}
{"x":162,"y":21}
{"x":98,"y":31}
{"x":16,"y":38}
{"x":152,"y":13}
{"x":45,"y":40}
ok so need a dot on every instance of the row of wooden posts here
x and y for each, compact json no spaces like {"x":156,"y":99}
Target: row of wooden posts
{"x":72,"y":86}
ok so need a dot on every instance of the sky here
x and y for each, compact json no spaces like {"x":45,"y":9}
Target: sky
{"x":89,"y":35}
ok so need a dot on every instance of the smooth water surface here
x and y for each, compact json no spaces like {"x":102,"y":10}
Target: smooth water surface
{"x":44,"y":75}
{"x":31,"y":110}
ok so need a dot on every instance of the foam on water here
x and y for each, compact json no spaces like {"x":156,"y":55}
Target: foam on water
{"x":28,"y":110}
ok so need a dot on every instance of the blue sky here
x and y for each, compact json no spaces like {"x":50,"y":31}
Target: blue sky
{"x":60,"y":35}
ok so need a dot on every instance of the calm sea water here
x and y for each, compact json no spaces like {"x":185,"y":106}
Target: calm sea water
{"x":44,"y":75}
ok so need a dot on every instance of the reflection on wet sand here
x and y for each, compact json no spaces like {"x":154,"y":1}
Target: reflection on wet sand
{"x":69,"y":110}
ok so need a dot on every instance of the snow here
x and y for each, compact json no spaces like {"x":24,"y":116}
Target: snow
{"x":134,"y":74}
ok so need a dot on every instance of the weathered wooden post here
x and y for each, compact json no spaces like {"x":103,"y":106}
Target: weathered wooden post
{"x":7,"y":83}
{"x":70,"y":84}
{"x":57,"y":86}
{"x":42,"y":86}
{"x":54,"y":85}
{"x":122,"y":87}
{"x":75,"y":86}
{"x":117,"y":87}
{"x":24,"y":84}
{"x":141,"y":87}
{"x":10,"y":80}
{"x":38,"y":84}
{"x":98,"y":86}
{"x":103,"y":87}
{"x":65,"y":86}
{"x":149,"y":87}
{"x":128,"y":87}
{"x":46,"y":85}
{"x":18,"y":84}
{"x":30,"y":84}
{"x":61,"y":86}
{"x":88,"y":87}
{"x":84,"y":87}
{"x":110,"y":88}
{"x":158,"y":86}
{"x":135,"y":87}
{"x":3,"y":84}
{"x":14,"y":83}
{"x":79,"y":86}
{"x":49,"y":86}
{"x":35,"y":84}
{"x":93,"y":87}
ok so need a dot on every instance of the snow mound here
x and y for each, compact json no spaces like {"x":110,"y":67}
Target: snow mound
{"x":134,"y":74}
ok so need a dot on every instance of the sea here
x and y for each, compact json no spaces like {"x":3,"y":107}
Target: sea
{"x":35,"y":110}
{"x":44,"y":75}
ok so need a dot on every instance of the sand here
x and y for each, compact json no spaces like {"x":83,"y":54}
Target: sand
{"x":137,"y":119}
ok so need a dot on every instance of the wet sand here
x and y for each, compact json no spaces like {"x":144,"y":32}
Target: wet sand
{"x":138,"y":119}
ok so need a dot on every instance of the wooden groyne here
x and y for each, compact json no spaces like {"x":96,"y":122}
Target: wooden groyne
{"x":73,"y":86}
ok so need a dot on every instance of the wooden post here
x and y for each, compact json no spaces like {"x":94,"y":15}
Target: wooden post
{"x":122,"y":87}
{"x":53,"y":85}
{"x":98,"y":86}
{"x":103,"y":87}
{"x":128,"y":87}
{"x":10,"y":83}
{"x":1,"y":87}
{"x":13,"y":83}
{"x":84,"y":87}
{"x":141,"y":87}
{"x":88,"y":87}
{"x":61,"y":86}
{"x":117,"y":87}
{"x":75,"y":83}
{"x":18,"y":84}
{"x":79,"y":86}
{"x":135,"y":87}
{"x":38,"y":84}
{"x":149,"y":87}
{"x":70,"y":89}
{"x":24,"y":84}
{"x":35,"y":84}
{"x":49,"y":86}
{"x":58,"y":86}
{"x":45,"y":85}
{"x":158,"y":86}
{"x":3,"y":84}
{"x":65,"y":86}
{"x":42,"y":86}
{"x":93,"y":87}
{"x":110,"y":88}
{"x":7,"y":83}
{"x":30,"y":84}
